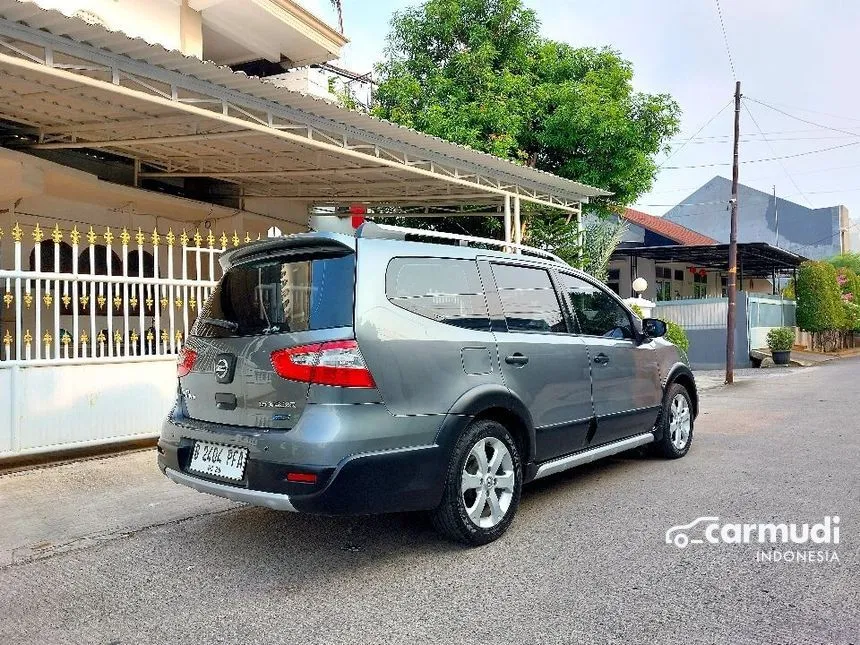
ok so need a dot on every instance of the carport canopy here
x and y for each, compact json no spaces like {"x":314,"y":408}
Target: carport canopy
{"x":68,"y":84}
{"x":755,"y":259}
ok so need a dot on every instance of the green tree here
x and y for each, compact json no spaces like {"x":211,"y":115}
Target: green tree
{"x":850,"y":260}
{"x":477,"y":72}
{"x":819,"y":299}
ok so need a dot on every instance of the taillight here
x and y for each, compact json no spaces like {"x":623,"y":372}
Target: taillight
{"x":334,"y":363}
{"x":185,"y":362}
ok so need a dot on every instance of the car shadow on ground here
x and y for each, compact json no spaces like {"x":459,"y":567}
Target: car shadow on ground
{"x":269,"y":544}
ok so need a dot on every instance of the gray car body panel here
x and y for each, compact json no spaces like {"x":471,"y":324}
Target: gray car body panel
{"x":431,"y":379}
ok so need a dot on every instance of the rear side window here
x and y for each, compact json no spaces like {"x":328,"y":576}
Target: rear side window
{"x":598,"y":313}
{"x":280,"y":295}
{"x":442,"y":289}
{"x":528,"y":299}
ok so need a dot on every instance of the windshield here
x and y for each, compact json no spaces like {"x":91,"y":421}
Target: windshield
{"x":280,"y":295}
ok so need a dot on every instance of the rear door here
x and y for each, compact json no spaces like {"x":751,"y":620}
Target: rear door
{"x":543,"y":362}
{"x":624,"y":370}
{"x":281,"y":298}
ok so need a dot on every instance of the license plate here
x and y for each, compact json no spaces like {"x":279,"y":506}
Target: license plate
{"x":215,"y":459}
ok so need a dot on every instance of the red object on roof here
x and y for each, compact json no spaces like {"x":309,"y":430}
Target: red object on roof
{"x":675,"y":232}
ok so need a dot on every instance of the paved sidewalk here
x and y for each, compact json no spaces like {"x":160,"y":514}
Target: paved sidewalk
{"x":710,"y":379}
{"x":75,"y":505}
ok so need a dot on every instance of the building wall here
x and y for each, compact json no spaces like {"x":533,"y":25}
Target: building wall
{"x":683,"y":289}
{"x":158,"y":24}
{"x":814,"y":233}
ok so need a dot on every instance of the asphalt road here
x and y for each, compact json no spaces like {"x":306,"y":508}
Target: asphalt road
{"x":145,"y":561}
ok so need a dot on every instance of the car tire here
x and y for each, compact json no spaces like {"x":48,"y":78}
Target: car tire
{"x":675,"y":426}
{"x":481,"y":494}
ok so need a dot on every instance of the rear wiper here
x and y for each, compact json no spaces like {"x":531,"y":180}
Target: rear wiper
{"x":226,"y":324}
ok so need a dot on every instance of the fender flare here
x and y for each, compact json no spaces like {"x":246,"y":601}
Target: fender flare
{"x":476,"y":402}
{"x":685,"y":374}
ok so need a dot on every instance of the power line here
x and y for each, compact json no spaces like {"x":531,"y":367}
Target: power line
{"x":835,"y":116}
{"x":770,"y":147}
{"x":756,"y":139}
{"x":801,"y":119}
{"x":726,"y":39}
{"x":792,"y":156}
{"x":705,"y":125}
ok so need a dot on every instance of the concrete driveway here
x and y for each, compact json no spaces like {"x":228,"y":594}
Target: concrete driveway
{"x":108,"y":551}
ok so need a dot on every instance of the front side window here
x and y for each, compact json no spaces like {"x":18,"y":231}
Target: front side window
{"x":528,"y":299}
{"x":443,"y":289}
{"x":598,"y":313}
{"x":277,"y":296}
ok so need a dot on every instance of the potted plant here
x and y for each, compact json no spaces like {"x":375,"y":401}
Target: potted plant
{"x":780,"y":340}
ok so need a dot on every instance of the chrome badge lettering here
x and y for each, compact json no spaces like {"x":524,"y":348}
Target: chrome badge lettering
{"x":289,"y":405}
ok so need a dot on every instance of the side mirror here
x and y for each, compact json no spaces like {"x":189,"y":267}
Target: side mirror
{"x":654,"y":328}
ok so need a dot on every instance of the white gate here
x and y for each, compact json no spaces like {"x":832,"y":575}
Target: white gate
{"x":90,"y":329}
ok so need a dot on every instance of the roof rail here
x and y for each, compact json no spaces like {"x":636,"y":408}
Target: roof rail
{"x":372,"y":230}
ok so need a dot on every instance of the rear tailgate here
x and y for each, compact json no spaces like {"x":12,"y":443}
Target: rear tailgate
{"x":281,"y":293}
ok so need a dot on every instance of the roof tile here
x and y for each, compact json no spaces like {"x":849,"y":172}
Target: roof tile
{"x":675,"y":232}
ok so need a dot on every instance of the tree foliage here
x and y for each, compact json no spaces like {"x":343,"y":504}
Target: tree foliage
{"x":850,"y":260}
{"x":477,"y":72}
{"x":819,"y":298}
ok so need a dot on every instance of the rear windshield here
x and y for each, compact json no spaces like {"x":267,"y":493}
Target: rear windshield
{"x":280,"y":295}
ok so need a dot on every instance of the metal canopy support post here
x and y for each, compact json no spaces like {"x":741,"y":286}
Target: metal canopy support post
{"x":518,"y":230}
{"x":507,"y":219}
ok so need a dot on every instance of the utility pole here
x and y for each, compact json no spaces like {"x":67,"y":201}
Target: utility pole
{"x":776,"y":217}
{"x":732,"y":285}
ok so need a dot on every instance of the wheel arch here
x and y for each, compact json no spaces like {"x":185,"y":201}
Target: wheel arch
{"x":497,"y":403}
{"x":682,"y":375}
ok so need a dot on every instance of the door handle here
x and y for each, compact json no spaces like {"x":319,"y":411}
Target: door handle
{"x":516,"y":359}
{"x":601,"y":359}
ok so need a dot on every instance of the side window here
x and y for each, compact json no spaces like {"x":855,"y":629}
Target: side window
{"x":445,"y":290}
{"x":598,"y":313}
{"x":528,"y":299}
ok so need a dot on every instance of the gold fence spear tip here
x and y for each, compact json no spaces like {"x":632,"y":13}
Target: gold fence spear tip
{"x":124,"y":237}
{"x":183,"y":239}
{"x":57,"y":234}
{"x":75,"y":235}
{"x":171,"y":238}
{"x":235,"y":239}
{"x":223,"y":241}
{"x":155,"y":237}
{"x":38,"y":235}
{"x":108,"y":235}
{"x":91,"y":236}
{"x":17,"y":233}
{"x":140,"y":238}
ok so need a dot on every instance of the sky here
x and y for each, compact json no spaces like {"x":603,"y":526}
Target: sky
{"x":798,"y":56}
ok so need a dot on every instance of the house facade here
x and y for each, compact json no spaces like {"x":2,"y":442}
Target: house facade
{"x":130,"y":163}
{"x":812,"y":232}
{"x":674,"y":260}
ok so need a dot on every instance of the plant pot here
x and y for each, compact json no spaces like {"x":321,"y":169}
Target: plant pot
{"x":781,"y":357}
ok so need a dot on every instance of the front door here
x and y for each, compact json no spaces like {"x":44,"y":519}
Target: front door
{"x":542,"y":363}
{"x":625,"y":374}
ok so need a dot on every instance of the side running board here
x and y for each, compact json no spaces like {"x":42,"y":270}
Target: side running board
{"x":592,"y":454}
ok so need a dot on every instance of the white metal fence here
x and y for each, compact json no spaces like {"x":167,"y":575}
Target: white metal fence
{"x":91,"y":300}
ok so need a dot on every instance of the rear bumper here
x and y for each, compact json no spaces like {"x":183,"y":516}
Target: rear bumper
{"x":277,"y":501}
{"x":384,"y":481}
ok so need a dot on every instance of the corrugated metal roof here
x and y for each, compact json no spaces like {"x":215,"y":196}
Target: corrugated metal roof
{"x":116,"y":42}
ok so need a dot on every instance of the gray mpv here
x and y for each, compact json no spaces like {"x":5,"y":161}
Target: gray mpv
{"x":342,"y":374}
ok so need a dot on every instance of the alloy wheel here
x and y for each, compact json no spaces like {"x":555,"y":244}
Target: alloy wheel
{"x":680,"y":422}
{"x":487,"y":482}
